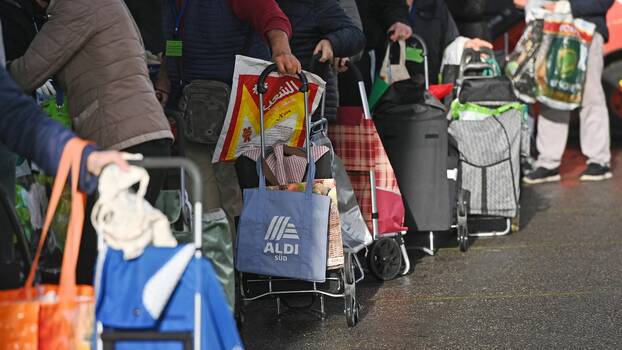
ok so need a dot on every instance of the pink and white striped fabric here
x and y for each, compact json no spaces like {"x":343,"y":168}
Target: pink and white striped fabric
{"x":287,"y":168}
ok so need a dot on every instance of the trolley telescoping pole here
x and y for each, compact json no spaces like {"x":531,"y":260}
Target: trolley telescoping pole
{"x":372,"y":172}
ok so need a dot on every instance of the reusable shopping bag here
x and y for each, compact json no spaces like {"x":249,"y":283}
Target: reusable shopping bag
{"x":561,"y":63}
{"x":53,"y":317}
{"x":156,"y":293}
{"x":389,"y":73}
{"x":284,"y":111}
{"x":325,"y":187}
{"x":284,"y":233}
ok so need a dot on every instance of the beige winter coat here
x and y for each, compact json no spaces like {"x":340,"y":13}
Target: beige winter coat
{"x":95,"y":51}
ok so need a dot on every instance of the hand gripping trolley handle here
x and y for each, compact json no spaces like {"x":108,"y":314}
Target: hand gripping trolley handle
{"x":277,"y":287}
{"x":190,"y":340}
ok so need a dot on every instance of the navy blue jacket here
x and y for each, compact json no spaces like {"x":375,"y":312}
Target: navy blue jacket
{"x":27,"y":131}
{"x":212,"y":35}
{"x":314,"y":20}
{"x":594,"y":11}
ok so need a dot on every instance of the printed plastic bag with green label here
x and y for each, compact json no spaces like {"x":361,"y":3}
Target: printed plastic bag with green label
{"x":561,"y":63}
{"x":520,"y":65}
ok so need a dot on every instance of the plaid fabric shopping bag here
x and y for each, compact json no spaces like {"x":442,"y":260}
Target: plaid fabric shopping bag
{"x":53,"y":317}
{"x":361,"y":150}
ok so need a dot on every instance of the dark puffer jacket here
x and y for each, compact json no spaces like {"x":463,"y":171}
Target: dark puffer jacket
{"x":19,"y":26}
{"x":593,"y":11}
{"x":314,"y":20}
{"x":378,"y":16}
{"x":432,"y":21}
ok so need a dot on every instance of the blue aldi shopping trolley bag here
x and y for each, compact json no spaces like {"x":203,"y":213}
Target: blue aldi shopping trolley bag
{"x":167,"y":298}
{"x":283,"y":233}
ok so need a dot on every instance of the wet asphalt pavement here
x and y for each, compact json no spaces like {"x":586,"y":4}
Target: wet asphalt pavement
{"x":556,"y":284}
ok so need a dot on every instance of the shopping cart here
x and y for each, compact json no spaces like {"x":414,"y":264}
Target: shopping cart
{"x":184,"y":326}
{"x":339,"y":283}
{"x":356,"y":141}
{"x":412,"y":124}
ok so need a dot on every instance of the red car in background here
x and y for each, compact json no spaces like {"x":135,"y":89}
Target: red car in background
{"x":612,"y":75}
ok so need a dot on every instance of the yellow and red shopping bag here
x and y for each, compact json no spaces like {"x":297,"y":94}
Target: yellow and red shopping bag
{"x":283,"y":107}
{"x":47,"y":316}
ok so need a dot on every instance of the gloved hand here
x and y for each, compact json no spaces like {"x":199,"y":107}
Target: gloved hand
{"x":47,"y":90}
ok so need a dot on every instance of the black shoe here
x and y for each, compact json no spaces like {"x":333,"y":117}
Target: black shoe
{"x":542,"y":175}
{"x":596,"y":172}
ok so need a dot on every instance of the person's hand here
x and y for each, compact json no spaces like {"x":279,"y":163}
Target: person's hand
{"x":282,"y":53}
{"x":400,"y":31}
{"x":477,"y":44}
{"x":286,"y":63}
{"x":326,"y":49}
{"x":340,"y":64}
{"x":47,"y":90}
{"x":97,"y":160}
{"x":520,"y":3}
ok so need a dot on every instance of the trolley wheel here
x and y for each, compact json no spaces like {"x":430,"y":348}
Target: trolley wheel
{"x":351,"y":306}
{"x":385,"y":259}
{"x":462,"y":227}
{"x":352,"y":311}
{"x":348,"y":266}
{"x":516,"y":223}
{"x":463,"y":238}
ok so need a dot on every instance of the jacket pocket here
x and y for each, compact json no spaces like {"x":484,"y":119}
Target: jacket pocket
{"x":85,"y":114}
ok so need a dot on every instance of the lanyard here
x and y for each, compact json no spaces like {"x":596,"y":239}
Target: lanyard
{"x":179,"y":16}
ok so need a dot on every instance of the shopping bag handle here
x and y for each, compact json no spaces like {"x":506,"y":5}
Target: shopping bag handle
{"x":424,"y":47}
{"x":70,"y":162}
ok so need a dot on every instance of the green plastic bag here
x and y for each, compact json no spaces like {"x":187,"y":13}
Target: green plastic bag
{"x":60,"y":113}
{"x":218,"y":248}
{"x":561,"y":63}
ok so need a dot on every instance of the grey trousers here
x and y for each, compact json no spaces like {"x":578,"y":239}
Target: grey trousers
{"x":220,"y":181}
{"x":595,"y":139}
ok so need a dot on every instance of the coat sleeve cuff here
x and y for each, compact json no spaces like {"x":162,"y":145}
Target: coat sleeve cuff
{"x":281,"y":24}
{"x":87,"y":182}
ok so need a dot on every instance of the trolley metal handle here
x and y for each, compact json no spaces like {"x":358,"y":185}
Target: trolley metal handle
{"x":362,"y":92}
{"x":175,"y":162}
{"x":262,"y":88}
{"x":472,"y":61}
{"x":192,"y":170}
{"x":424,"y":47}
{"x":261,"y":84}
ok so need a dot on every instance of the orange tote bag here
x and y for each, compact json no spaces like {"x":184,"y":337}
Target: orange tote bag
{"x":49,"y":316}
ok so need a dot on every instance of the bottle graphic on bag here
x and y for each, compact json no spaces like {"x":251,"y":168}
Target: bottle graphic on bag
{"x":567,"y":62}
